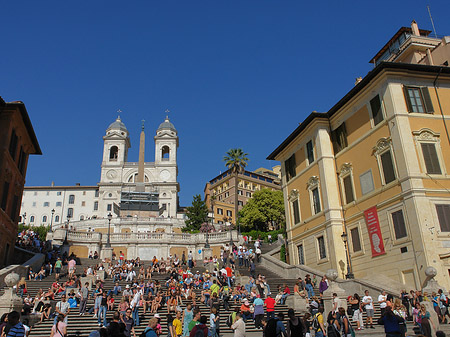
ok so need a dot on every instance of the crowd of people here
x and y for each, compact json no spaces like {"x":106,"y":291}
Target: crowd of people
{"x":194,"y":301}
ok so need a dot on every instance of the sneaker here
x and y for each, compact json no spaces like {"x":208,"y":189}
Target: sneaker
{"x":95,"y":316}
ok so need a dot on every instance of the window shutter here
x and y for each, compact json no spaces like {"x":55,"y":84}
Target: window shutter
{"x":343,"y":136}
{"x":296,"y":211}
{"x":431,"y":159}
{"x":443,"y":212}
{"x":375,"y":106}
{"x":388,"y":167}
{"x":399,"y":225}
{"x":427,"y":100}
{"x":407,"y":98}
{"x":348,"y":189}
{"x":334,"y":141}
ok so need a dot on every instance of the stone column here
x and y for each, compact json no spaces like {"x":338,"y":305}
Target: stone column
{"x":10,"y":301}
{"x":432,"y":284}
{"x":334,"y":287}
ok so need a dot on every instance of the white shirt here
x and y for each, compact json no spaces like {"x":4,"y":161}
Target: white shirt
{"x":382,"y":298}
{"x":369,"y":301}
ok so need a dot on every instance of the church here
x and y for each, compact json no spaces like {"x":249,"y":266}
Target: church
{"x":126,"y":189}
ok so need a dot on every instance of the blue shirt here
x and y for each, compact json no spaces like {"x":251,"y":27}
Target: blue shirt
{"x":280,"y":327}
{"x":149,"y":332}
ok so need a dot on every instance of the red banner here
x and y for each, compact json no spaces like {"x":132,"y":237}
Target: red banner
{"x":373,"y":227}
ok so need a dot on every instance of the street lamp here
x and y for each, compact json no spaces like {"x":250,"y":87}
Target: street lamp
{"x":108,"y":242}
{"x":24,"y":217}
{"x":51,"y":222}
{"x":347,"y":255}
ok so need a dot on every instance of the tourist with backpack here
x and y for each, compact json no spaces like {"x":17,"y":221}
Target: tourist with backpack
{"x":346,"y":326}
{"x":333,"y":326}
{"x":317,"y":323}
{"x":295,"y":327}
{"x":200,"y":330}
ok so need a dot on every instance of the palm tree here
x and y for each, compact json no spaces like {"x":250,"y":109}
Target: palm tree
{"x":236,"y":161}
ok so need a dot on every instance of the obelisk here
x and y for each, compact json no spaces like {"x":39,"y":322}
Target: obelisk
{"x":140,"y":176}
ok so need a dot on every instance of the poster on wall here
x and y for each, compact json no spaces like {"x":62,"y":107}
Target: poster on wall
{"x":373,"y":227}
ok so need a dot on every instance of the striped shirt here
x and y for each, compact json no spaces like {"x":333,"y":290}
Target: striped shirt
{"x":17,"y":330}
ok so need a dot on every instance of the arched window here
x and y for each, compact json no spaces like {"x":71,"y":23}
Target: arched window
{"x":71,"y":199}
{"x":81,"y":217}
{"x":57,"y":218}
{"x":44,"y":219}
{"x":70,"y":212}
{"x":32,"y":218}
{"x":165,"y":152}
{"x":113,"y":153}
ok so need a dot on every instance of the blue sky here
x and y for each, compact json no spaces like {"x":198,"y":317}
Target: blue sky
{"x":232,"y":73}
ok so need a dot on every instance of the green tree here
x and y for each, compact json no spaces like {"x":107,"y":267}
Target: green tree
{"x":236,"y":161}
{"x":265,"y":208}
{"x":197,"y":214}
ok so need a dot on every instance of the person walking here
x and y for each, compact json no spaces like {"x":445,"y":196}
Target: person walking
{"x":188,"y":315}
{"x":295,"y":327}
{"x":367,"y":301}
{"x":62,"y":309}
{"x":84,"y":296}
{"x":391,"y":323}
{"x":102,"y":310}
{"x":238,"y":326}
{"x":213,"y":322}
{"x":135,"y":306}
{"x":59,"y":329}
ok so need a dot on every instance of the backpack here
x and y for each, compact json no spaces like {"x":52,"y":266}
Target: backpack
{"x":315,"y":323}
{"x":271,"y":328}
{"x":332,"y":331}
{"x":144,"y":333}
{"x":229,"y":320}
{"x":199,"y":332}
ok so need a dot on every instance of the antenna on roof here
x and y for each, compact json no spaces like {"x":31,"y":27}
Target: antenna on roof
{"x":432,"y":23}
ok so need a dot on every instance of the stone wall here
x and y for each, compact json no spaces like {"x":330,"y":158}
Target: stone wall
{"x":35,"y":263}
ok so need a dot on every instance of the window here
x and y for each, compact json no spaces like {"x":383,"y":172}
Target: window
{"x":366,"y":181}
{"x":58,"y":193}
{"x":301,"y":254}
{"x":248,"y":194}
{"x":443,"y":212}
{"x":96,"y":193}
{"x":431,"y":158}
{"x":57,"y":218}
{"x":44,"y":219}
{"x":13,"y":144}
{"x":14,"y":208}
{"x":240,"y":192}
{"x":227,"y":194}
{"x":71,"y":199}
{"x":32,"y":218}
{"x":5,"y":195}
{"x":295,"y":211}
{"x":399,"y":224}
{"x":34,"y":203}
{"x":418,"y":99}
{"x":289,"y":167}
{"x":70,"y":212}
{"x":109,"y":207}
{"x":220,"y":211}
{"x":240,"y":203}
{"x":83,"y":203}
{"x":46,"y":204}
{"x":95,"y":205}
{"x":229,"y":213}
{"x":35,"y":192}
{"x":377,"y":113}
{"x":321,"y":246}
{"x":356,"y":242}
{"x":81,"y":217}
{"x":316,"y":200}
{"x":22,"y":160}
{"x":388,"y":167}
{"x":113,"y":153}
{"x":310,"y":152}
{"x":58,"y":204}
{"x":348,"y":189}
{"x":339,"y":138}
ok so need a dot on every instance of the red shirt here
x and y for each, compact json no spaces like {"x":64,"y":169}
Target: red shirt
{"x":229,"y":272}
{"x":270,"y":304}
{"x":287,"y":291}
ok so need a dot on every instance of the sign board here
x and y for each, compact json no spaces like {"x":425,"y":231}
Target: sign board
{"x":373,"y":227}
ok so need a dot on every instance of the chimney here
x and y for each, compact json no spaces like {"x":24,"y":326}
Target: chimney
{"x":140,"y":176}
{"x":415,"y":28}
{"x":77,"y":184}
{"x":358,"y":79}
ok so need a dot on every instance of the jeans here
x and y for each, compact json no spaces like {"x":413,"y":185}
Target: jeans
{"x":83,"y":305}
{"x":241,"y":261}
{"x":270,"y":314}
{"x":319,"y":334}
{"x":246,"y":315}
{"x":283,"y":298}
{"x":135,"y":315}
{"x":310,"y":290}
{"x":229,"y":281}
{"x":102,"y":312}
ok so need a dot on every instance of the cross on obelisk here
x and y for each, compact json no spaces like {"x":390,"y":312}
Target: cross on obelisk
{"x":119,"y":112}
{"x":167,"y":113}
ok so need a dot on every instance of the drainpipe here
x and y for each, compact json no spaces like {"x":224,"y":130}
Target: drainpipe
{"x":439,"y":103}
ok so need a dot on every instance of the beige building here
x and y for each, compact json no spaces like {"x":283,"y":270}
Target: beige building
{"x":374,"y":168}
{"x":222,"y":189}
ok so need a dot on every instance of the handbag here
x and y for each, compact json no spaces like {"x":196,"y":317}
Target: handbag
{"x":64,"y":335}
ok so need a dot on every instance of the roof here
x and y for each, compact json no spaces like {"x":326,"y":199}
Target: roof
{"x":74,"y":187}
{"x":26,"y":120}
{"x":117,"y":125}
{"x":246,"y":173}
{"x":354,"y":91}
{"x":166,"y":125}
{"x":423,"y":32}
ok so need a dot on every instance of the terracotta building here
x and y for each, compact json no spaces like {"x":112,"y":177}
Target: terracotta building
{"x":17,"y":141}
{"x":371,"y":173}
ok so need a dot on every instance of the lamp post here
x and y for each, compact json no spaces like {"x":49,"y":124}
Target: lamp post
{"x":347,"y":255}
{"x":24,"y":217}
{"x":51,"y":222}
{"x":108,"y":242}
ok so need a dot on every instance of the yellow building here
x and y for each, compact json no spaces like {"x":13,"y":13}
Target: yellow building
{"x":375,"y":168}
{"x":221,"y":191}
